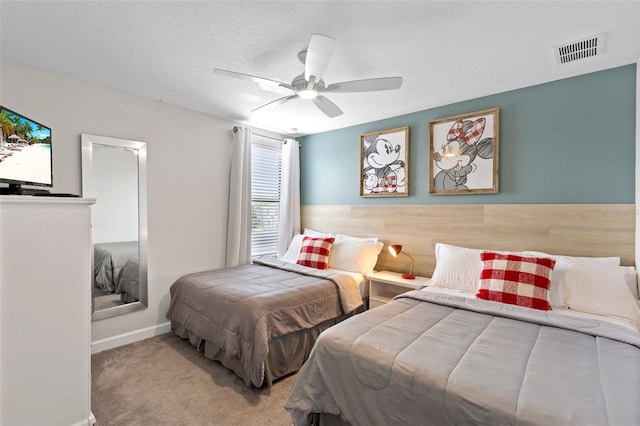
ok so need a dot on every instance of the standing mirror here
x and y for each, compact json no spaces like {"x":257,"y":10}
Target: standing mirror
{"x":114,"y":173}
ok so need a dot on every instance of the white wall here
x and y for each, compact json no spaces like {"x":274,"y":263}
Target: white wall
{"x":188,"y":174}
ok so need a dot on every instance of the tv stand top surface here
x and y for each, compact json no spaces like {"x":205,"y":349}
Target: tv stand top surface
{"x":17,"y":200}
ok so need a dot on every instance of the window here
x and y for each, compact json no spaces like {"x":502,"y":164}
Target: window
{"x":266,"y":163}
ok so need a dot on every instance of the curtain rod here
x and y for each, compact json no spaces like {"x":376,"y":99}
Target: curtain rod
{"x":236,"y":128}
{"x":268,"y":137}
{"x":283,"y":140}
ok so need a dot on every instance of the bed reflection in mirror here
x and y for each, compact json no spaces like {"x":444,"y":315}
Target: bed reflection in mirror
{"x":113,"y":172}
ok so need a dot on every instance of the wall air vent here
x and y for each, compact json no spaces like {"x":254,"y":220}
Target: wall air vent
{"x":580,"y":49}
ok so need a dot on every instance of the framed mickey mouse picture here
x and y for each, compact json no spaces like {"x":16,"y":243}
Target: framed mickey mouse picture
{"x":384,"y":163}
{"x":463,"y":153}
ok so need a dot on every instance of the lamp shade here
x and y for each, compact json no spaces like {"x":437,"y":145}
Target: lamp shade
{"x":395,"y":250}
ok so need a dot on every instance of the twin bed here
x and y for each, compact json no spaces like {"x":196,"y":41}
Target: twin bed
{"x":261,"y":320}
{"x":439,"y":355}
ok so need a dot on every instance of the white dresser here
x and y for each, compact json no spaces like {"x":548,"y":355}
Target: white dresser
{"x":45,"y":311}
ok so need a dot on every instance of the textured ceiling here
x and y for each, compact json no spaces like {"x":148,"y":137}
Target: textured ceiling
{"x":446,"y":51}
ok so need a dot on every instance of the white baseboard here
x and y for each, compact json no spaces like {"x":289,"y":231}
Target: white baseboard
{"x":86,"y":422}
{"x":130,"y":337}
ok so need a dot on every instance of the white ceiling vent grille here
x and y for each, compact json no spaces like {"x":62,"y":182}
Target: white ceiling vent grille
{"x":580,"y":49}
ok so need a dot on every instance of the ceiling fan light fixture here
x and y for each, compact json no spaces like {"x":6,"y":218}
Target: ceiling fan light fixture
{"x":310,"y":86}
{"x":308,"y":93}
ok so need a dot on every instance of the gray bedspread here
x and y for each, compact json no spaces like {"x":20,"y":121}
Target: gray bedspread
{"x":108,"y":260}
{"x":128,"y":282}
{"x":240,"y":309}
{"x":430,"y":359}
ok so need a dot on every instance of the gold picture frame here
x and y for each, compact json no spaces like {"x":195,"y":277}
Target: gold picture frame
{"x":463,"y":153}
{"x":384,"y":163}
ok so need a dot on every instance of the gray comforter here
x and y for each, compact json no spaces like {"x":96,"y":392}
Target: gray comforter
{"x":128,"y":282}
{"x":108,"y":260}
{"x":455,"y":361}
{"x":240,"y":309}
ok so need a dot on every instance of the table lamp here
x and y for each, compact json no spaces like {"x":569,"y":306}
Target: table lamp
{"x":395,"y":250}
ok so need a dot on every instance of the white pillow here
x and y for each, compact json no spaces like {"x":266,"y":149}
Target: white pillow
{"x":316,"y":234}
{"x":354,"y":255}
{"x":557,"y":290}
{"x":293,"y":251}
{"x":350,"y":238}
{"x":457,"y":268}
{"x":603,"y":290}
{"x":632,"y":280}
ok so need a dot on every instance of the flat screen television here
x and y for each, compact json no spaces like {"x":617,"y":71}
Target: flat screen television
{"x":25,"y":154}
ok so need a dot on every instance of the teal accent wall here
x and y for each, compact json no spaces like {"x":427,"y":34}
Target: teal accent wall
{"x":567,"y":141}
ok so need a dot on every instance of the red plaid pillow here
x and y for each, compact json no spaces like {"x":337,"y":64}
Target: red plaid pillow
{"x":517,"y":280}
{"x":315,"y":252}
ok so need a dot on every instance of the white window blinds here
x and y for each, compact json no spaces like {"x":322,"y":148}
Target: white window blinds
{"x":266,"y":163}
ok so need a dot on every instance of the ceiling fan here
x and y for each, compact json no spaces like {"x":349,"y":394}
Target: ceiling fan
{"x":310,"y":85}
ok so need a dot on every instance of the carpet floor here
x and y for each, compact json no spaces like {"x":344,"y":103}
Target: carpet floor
{"x":165,"y":381}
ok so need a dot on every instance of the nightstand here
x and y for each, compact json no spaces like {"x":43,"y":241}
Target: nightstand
{"x":385,"y":285}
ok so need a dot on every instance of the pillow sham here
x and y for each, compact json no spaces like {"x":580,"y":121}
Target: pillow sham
{"x":317,"y":234}
{"x":563,"y":264}
{"x":315,"y":252}
{"x":342,"y":237}
{"x":355,"y":255}
{"x":602,"y":290}
{"x":458,"y":268}
{"x":517,"y":280}
{"x":293,"y":252}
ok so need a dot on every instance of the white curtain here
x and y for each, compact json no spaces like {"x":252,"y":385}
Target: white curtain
{"x":289,"y":194}
{"x":239,"y":221}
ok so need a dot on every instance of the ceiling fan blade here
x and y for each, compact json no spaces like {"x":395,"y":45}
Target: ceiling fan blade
{"x":276,"y":103}
{"x":253,"y":78}
{"x":326,"y":106}
{"x":318,"y":54}
{"x":368,"y":85}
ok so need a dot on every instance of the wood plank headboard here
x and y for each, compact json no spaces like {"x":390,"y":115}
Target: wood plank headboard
{"x":571,"y":229}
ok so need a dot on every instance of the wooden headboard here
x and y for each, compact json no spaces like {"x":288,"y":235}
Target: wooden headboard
{"x":571,"y":229}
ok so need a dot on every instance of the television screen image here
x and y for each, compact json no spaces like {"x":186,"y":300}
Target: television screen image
{"x":25,"y":151}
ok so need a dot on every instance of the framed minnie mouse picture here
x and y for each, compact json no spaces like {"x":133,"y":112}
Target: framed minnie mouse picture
{"x":384,"y":163}
{"x":463,"y":153}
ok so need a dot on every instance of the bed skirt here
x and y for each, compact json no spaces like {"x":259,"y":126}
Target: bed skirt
{"x":286,"y":353}
{"x":128,"y":298}
{"x":326,"y":419}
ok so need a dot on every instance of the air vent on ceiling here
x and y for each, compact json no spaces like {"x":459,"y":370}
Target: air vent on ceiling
{"x":580,"y":49}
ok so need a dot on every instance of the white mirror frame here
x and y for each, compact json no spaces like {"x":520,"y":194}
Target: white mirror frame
{"x":87,"y":142}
